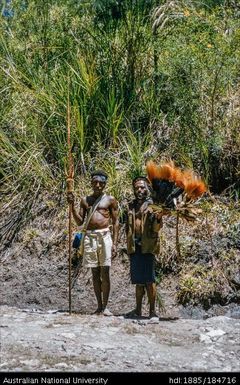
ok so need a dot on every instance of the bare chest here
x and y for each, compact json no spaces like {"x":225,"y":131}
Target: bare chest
{"x":103,"y":207}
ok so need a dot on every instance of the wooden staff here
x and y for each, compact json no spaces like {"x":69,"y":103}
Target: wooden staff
{"x":177,"y":239}
{"x":69,"y":189}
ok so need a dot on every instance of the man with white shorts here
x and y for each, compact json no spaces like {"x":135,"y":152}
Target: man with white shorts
{"x":99,"y":244}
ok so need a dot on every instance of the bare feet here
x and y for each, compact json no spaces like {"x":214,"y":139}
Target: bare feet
{"x":107,"y":313}
{"x":133,"y":314}
{"x":153,"y":315}
{"x":98,"y":311}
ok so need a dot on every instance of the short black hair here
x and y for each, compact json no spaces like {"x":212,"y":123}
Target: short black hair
{"x":99,"y":173}
{"x":140,"y":177}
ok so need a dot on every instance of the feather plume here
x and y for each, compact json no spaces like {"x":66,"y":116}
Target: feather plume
{"x":162,"y":178}
{"x":170,"y":182}
{"x":195,"y":188}
{"x":152,"y":170}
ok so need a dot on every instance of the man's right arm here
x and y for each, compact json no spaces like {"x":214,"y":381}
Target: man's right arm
{"x":78,"y":217}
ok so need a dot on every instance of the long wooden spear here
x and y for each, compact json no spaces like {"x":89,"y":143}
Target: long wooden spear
{"x":177,"y":239}
{"x":69,"y":189}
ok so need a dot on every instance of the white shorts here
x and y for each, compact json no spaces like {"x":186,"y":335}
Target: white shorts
{"x":97,"y":248}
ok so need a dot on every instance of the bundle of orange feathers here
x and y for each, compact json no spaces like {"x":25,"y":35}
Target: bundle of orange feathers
{"x":175,"y":189}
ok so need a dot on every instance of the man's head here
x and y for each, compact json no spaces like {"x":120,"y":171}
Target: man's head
{"x":99,"y":180}
{"x":141,"y":188}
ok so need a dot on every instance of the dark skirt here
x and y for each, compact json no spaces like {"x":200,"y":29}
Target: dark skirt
{"x":142,"y":267}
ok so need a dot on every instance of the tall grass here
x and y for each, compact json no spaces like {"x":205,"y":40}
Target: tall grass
{"x":133,"y":94}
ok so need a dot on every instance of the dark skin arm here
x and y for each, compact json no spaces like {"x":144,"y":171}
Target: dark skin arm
{"x":78,"y":217}
{"x":158,"y":216}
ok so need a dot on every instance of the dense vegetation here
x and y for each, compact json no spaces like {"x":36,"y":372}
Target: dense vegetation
{"x":146,"y":79}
